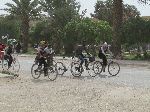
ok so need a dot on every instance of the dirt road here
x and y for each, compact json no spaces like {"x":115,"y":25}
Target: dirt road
{"x":127,"y":92}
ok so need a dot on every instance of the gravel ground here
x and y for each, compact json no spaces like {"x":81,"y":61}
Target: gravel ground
{"x":68,"y":94}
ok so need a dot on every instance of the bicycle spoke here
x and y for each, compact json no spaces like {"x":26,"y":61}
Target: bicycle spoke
{"x":35,"y":71}
{"x":76,"y":70}
{"x":52,"y":73}
{"x":60,"y":68}
{"x":113,"y":68}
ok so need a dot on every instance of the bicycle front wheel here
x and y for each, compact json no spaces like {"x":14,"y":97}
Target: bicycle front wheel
{"x":76,"y":70}
{"x":35,"y":71}
{"x":113,"y":68}
{"x":97,"y":67}
{"x":52,"y":72}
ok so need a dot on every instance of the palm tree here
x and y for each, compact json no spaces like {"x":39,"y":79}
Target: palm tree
{"x":144,"y":1}
{"x":25,"y":10}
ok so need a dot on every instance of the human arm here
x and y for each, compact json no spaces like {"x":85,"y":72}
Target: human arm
{"x":103,"y":50}
{"x":109,"y":51}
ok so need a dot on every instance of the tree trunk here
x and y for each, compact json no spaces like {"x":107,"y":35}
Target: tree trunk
{"x":25,"y":34}
{"x":117,"y":26}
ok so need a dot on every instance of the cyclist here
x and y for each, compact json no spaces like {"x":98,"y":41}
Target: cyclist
{"x":2,"y":48}
{"x":79,"y":53}
{"x":41,"y":57}
{"x":49,"y":54}
{"x":102,"y":54}
{"x":8,"y":56}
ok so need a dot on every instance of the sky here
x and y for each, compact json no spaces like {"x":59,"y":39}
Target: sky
{"x":89,"y":5}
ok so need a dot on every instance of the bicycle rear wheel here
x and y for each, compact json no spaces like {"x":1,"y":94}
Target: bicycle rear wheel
{"x":35,"y":71}
{"x":52,"y":73}
{"x":61,"y":69}
{"x":5,"y":65}
{"x":113,"y":68}
{"x":76,"y":70}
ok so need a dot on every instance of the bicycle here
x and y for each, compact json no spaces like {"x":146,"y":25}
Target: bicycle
{"x":15,"y":66}
{"x":113,"y":67}
{"x":62,"y":68}
{"x":36,"y":71}
{"x":77,"y":69}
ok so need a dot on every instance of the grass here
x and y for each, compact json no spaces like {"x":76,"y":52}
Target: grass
{"x":136,"y":57}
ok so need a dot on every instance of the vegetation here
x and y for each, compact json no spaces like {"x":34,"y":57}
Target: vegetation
{"x":24,"y":10}
{"x":104,"y":11}
{"x":63,"y":27}
{"x":94,"y":32}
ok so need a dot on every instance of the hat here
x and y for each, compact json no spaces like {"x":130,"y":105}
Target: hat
{"x":42,"y":42}
{"x":105,"y":43}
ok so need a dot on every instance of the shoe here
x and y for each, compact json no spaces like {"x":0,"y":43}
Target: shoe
{"x":45,"y":74}
{"x":9,"y":67}
{"x":82,"y":70}
{"x":103,"y":68}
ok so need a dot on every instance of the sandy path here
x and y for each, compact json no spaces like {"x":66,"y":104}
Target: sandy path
{"x":68,"y":94}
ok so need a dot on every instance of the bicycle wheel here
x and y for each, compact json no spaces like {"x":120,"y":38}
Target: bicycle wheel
{"x":91,"y":70}
{"x":113,"y":68}
{"x":61,"y":69}
{"x":5,"y":64}
{"x":35,"y":71}
{"x":52,"y":73}
{"x":97,"y":67}
{"x":16,"y":66}
{"x":76,"y":70}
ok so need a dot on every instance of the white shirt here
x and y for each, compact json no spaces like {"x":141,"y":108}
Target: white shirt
{"x":48,"y":50}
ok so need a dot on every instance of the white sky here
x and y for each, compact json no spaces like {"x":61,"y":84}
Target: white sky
{"x":89,"y":5}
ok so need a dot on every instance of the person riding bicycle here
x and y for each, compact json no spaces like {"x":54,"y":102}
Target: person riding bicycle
{"x":2,"y":48}
{"x":79,"y":53}
{"x":8,"y":56}
{"x":49,"y":54}
{"x":41,"y":57}
{"x":102,"y":54}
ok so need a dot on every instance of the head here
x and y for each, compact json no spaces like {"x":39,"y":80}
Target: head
{"x":42,"y":43}
{"x":105,"y":44}
{"x":10,"y":45}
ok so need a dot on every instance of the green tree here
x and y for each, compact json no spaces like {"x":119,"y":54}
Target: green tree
{"x":104,"y":11}
{"x":136,"y":31}
{"x":60,"y":12}
{"x":9,"y":25}
{"x":86,"y":29}
{"x":117,"y":24}
{"x":42,"y":31}
{"x":25,"y":10}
